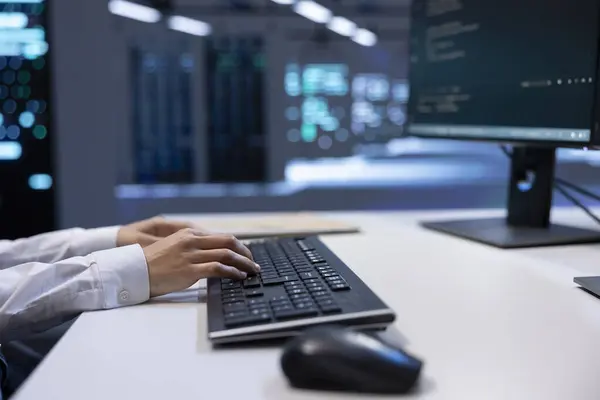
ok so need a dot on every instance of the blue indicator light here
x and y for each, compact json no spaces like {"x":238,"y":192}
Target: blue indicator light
{"x":10,"y":151}
{"x":27,"y":119}
{"x":40,"y":182}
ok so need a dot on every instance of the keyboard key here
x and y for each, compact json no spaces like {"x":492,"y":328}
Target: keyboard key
{"x":330,"y":275}
{"x":235,"y":314}
{"x":308,"y":275}
{"x":315,"y":284}
{"x":297,"y":287}
{"x":252,"y":283}
{"x":231,"y":291}
{"x":293,"y":284}
{"x":263,"y":263}
{"x":326,"y":271}
{"x":259,"y":311}
{"x":232,"y":285}
{"x":230,"y":300}
{"x":281,"y":303}
{"x":340,"y":287}
{"x":312,"y":280}
{"x":304,"y":269}
{"x":250,"y":320}
{"x":320,"y":294}
{"x":287,"y":271}
{"x":232,"y":294}
{"x":256,"y":302}
{"x":240,"y":305}
{"x":254,"y":293}
{"x":316,"y":289}
{"x":305,"y":304}
{"x":283,"y":264}
{"x":280,"y":280}
{"x":334,"y":308}
{"x":274,"y":281}
{"x":296,"y":297}
{"x":304,"y":246}
{"x":324,"y":302}
{"x":278,"y":298}
{"x":297,"y":291}
{"x":280,"y":309}
{"x":293,"y":314}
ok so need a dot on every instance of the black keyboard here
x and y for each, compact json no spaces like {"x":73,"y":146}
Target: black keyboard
{"x":301,"y":284}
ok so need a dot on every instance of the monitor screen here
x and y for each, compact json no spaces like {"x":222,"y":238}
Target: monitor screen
{"x":506,"y":70}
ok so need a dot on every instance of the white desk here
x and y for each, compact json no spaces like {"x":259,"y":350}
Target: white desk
{"x":491,"y":325}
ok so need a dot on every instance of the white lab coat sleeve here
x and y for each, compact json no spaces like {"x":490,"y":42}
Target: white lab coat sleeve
{"x":56,"y":246}
{"x":37,"y":296}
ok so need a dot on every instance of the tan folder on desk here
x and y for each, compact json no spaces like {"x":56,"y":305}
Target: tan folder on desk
{"x":296,"y":224}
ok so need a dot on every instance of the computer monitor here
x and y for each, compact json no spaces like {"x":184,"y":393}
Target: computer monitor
{"x":522,"y":72}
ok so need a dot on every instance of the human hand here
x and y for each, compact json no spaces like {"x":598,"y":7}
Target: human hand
{"x":180,"y":260}
{"x":149,"y":231}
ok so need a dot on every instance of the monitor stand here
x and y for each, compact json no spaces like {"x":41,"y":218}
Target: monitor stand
{"x":530,"y":199}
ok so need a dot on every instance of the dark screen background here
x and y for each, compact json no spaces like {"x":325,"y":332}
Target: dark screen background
{"x":27,"y":182}
{"x":526,"y":63}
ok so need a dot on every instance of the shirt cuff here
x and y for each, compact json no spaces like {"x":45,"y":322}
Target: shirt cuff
{"x":91,"y":240}
{"x":124,"y":275}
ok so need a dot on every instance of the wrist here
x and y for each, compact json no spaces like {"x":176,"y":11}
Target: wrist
{"x":124,"y":275}
{"x":119,"y":239}
{"x":91,"y":240}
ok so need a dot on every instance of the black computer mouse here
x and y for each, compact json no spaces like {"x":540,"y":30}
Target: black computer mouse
{"x":330,"y":358}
